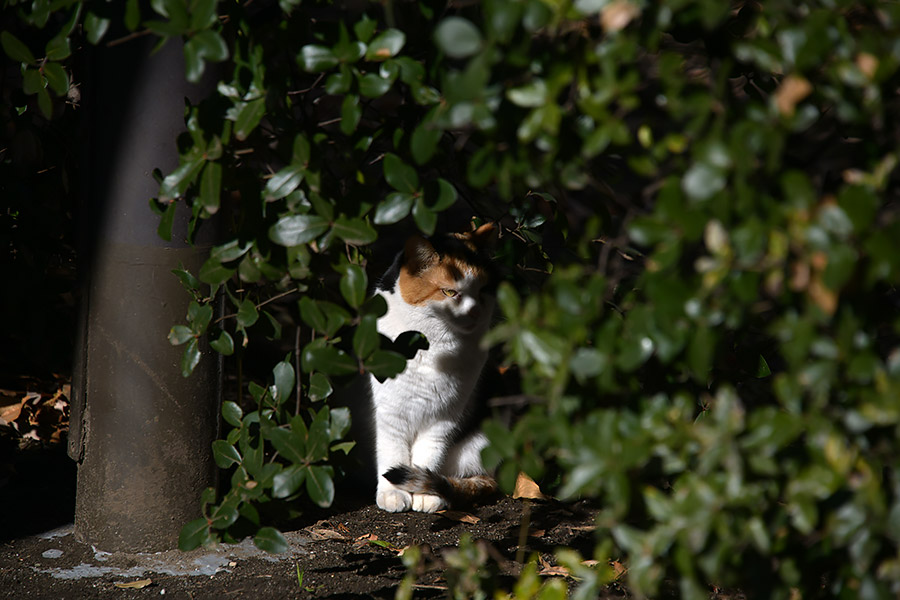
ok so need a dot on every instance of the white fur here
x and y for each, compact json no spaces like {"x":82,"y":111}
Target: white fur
{"x":418,"y":412}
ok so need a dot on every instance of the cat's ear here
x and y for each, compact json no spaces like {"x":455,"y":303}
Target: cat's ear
{"x":485,"y":236}
{"x":419,"y":253}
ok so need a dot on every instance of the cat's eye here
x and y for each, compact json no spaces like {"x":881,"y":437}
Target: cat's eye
{"x":450,"y":293}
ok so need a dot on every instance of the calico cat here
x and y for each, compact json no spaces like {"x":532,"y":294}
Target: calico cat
{"x":427,"y":458}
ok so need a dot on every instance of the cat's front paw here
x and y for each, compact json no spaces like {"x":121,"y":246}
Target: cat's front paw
{"x":393,"y":500}
{"x":428,"y":503}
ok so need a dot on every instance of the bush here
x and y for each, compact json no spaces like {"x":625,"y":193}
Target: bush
{"x":699,"y":211}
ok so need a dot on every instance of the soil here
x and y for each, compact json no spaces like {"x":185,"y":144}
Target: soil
{"x":352,"y":550}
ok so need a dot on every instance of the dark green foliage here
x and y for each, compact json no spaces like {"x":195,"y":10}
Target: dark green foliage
{"x":698,"y":204}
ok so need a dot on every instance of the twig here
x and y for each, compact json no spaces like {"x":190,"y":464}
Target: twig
{"x":261,"y":304}
{"x":131,"y":36}
{"x":297,"y":364}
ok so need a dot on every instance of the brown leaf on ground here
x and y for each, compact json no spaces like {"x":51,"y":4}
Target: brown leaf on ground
{"x":527,"y":488}
{"x":10,"y":413}
{"x":134,"y":585}
{"x":318,"y":533}
{"x":618,"y":568}
{"x":456,"y":515}
{"x":790,"y":93}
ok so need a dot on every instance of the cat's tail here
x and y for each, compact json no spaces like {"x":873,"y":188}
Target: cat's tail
{"x":456,"y":491}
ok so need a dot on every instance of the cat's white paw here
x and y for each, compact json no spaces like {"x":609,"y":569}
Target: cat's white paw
{"x":427,"y":503}
{"x":393,"y":500}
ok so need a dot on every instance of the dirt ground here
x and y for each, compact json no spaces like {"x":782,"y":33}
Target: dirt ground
{"x":352,"y":550}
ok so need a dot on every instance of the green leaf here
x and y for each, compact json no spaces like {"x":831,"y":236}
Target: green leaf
{"x":225,"y":454}
{"x":247,"y":116}
{"x":96,"y":27}
{"x":393,"y":208}
{"x":384,"y":364}
{"x":203,"y":14}
{"x":164,"y":229}
{"x":319,"y":485}
{"x":703,"y":180}
{"x":842,"y":261}
{"x":176,"y":183}
{"x":353,"y":285}
{"x":32,"y":81}
{"x":284,"y":381}
{"x":232,"y":413}
{"x":425,"y":218}
{"x":284,"y":182}
{"x":347,"y":50}
{"x":312,"y":314}
{"x":287,"y":482}
{"x":224,"y":344}
{"x":179,"y":334}
{"x":531,"y":95}
{"x":440,"y":196}
{"x":45,"y":103}
{"x":132,"y":14}
{"x":385,"y":45}
{"x":294,"y":230}
{"x":271,"y":540}
{"x":423,"y":142}
{"x":247,"y":314}
{"x":288,"y":443}
{"x":191,"y":357}
{"x":59,"y":47}
{"x":458,"y":37}
{"x":329,"y":360}
{"x":339,"y":423}
{"x":214,"y":272}
{"x":366,"y":338}
{"x":314,"y":59}
{"x":15,"y":49}
{"x":372,"y":85}
{"x":354,"y":231}
{"x":587,"y":362}
{"x":338,"y":83}
{"x":211,"y":187}
{"x":301,"y":151}
{"x":211,"y":45}
{"x":199,"y":316}
{"x":365,"y":28}
{"x":700,"y":353}
{"x":193,"y":535}
{"x":351,"y":113}
{"x":409,"y":343}
{"x":399,"y":175}
{"x":319,"y":387}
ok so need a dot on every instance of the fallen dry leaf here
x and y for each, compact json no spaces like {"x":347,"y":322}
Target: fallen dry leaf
{"x":462,"y":517}
{"x":618,"y":568}
{"x":134,"y":585}
{"x":10,"y":413}
{"x":616,"y":15}
{"x":365,"y":539}
{"x":326,"y":534}
{"x":554,"y":571}
{"x":792,"y":90}
{"x":527,"y":488}
{"x":867,"y":63}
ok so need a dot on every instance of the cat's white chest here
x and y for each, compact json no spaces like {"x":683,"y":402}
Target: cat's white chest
{"x":437,"y":379}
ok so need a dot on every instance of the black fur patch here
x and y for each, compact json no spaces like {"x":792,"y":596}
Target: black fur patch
{"x":388,"y":281}
{"x":398,"y":475}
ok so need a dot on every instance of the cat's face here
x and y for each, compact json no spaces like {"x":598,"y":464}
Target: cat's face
{"x":450,"y":278}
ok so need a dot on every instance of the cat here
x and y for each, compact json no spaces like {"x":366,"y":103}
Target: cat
{"x":427,"y":456}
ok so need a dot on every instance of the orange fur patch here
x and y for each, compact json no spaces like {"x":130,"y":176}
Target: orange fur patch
{"x":426,"y":285}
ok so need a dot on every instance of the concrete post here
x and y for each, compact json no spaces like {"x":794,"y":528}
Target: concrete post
{"x":140,"y":432}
